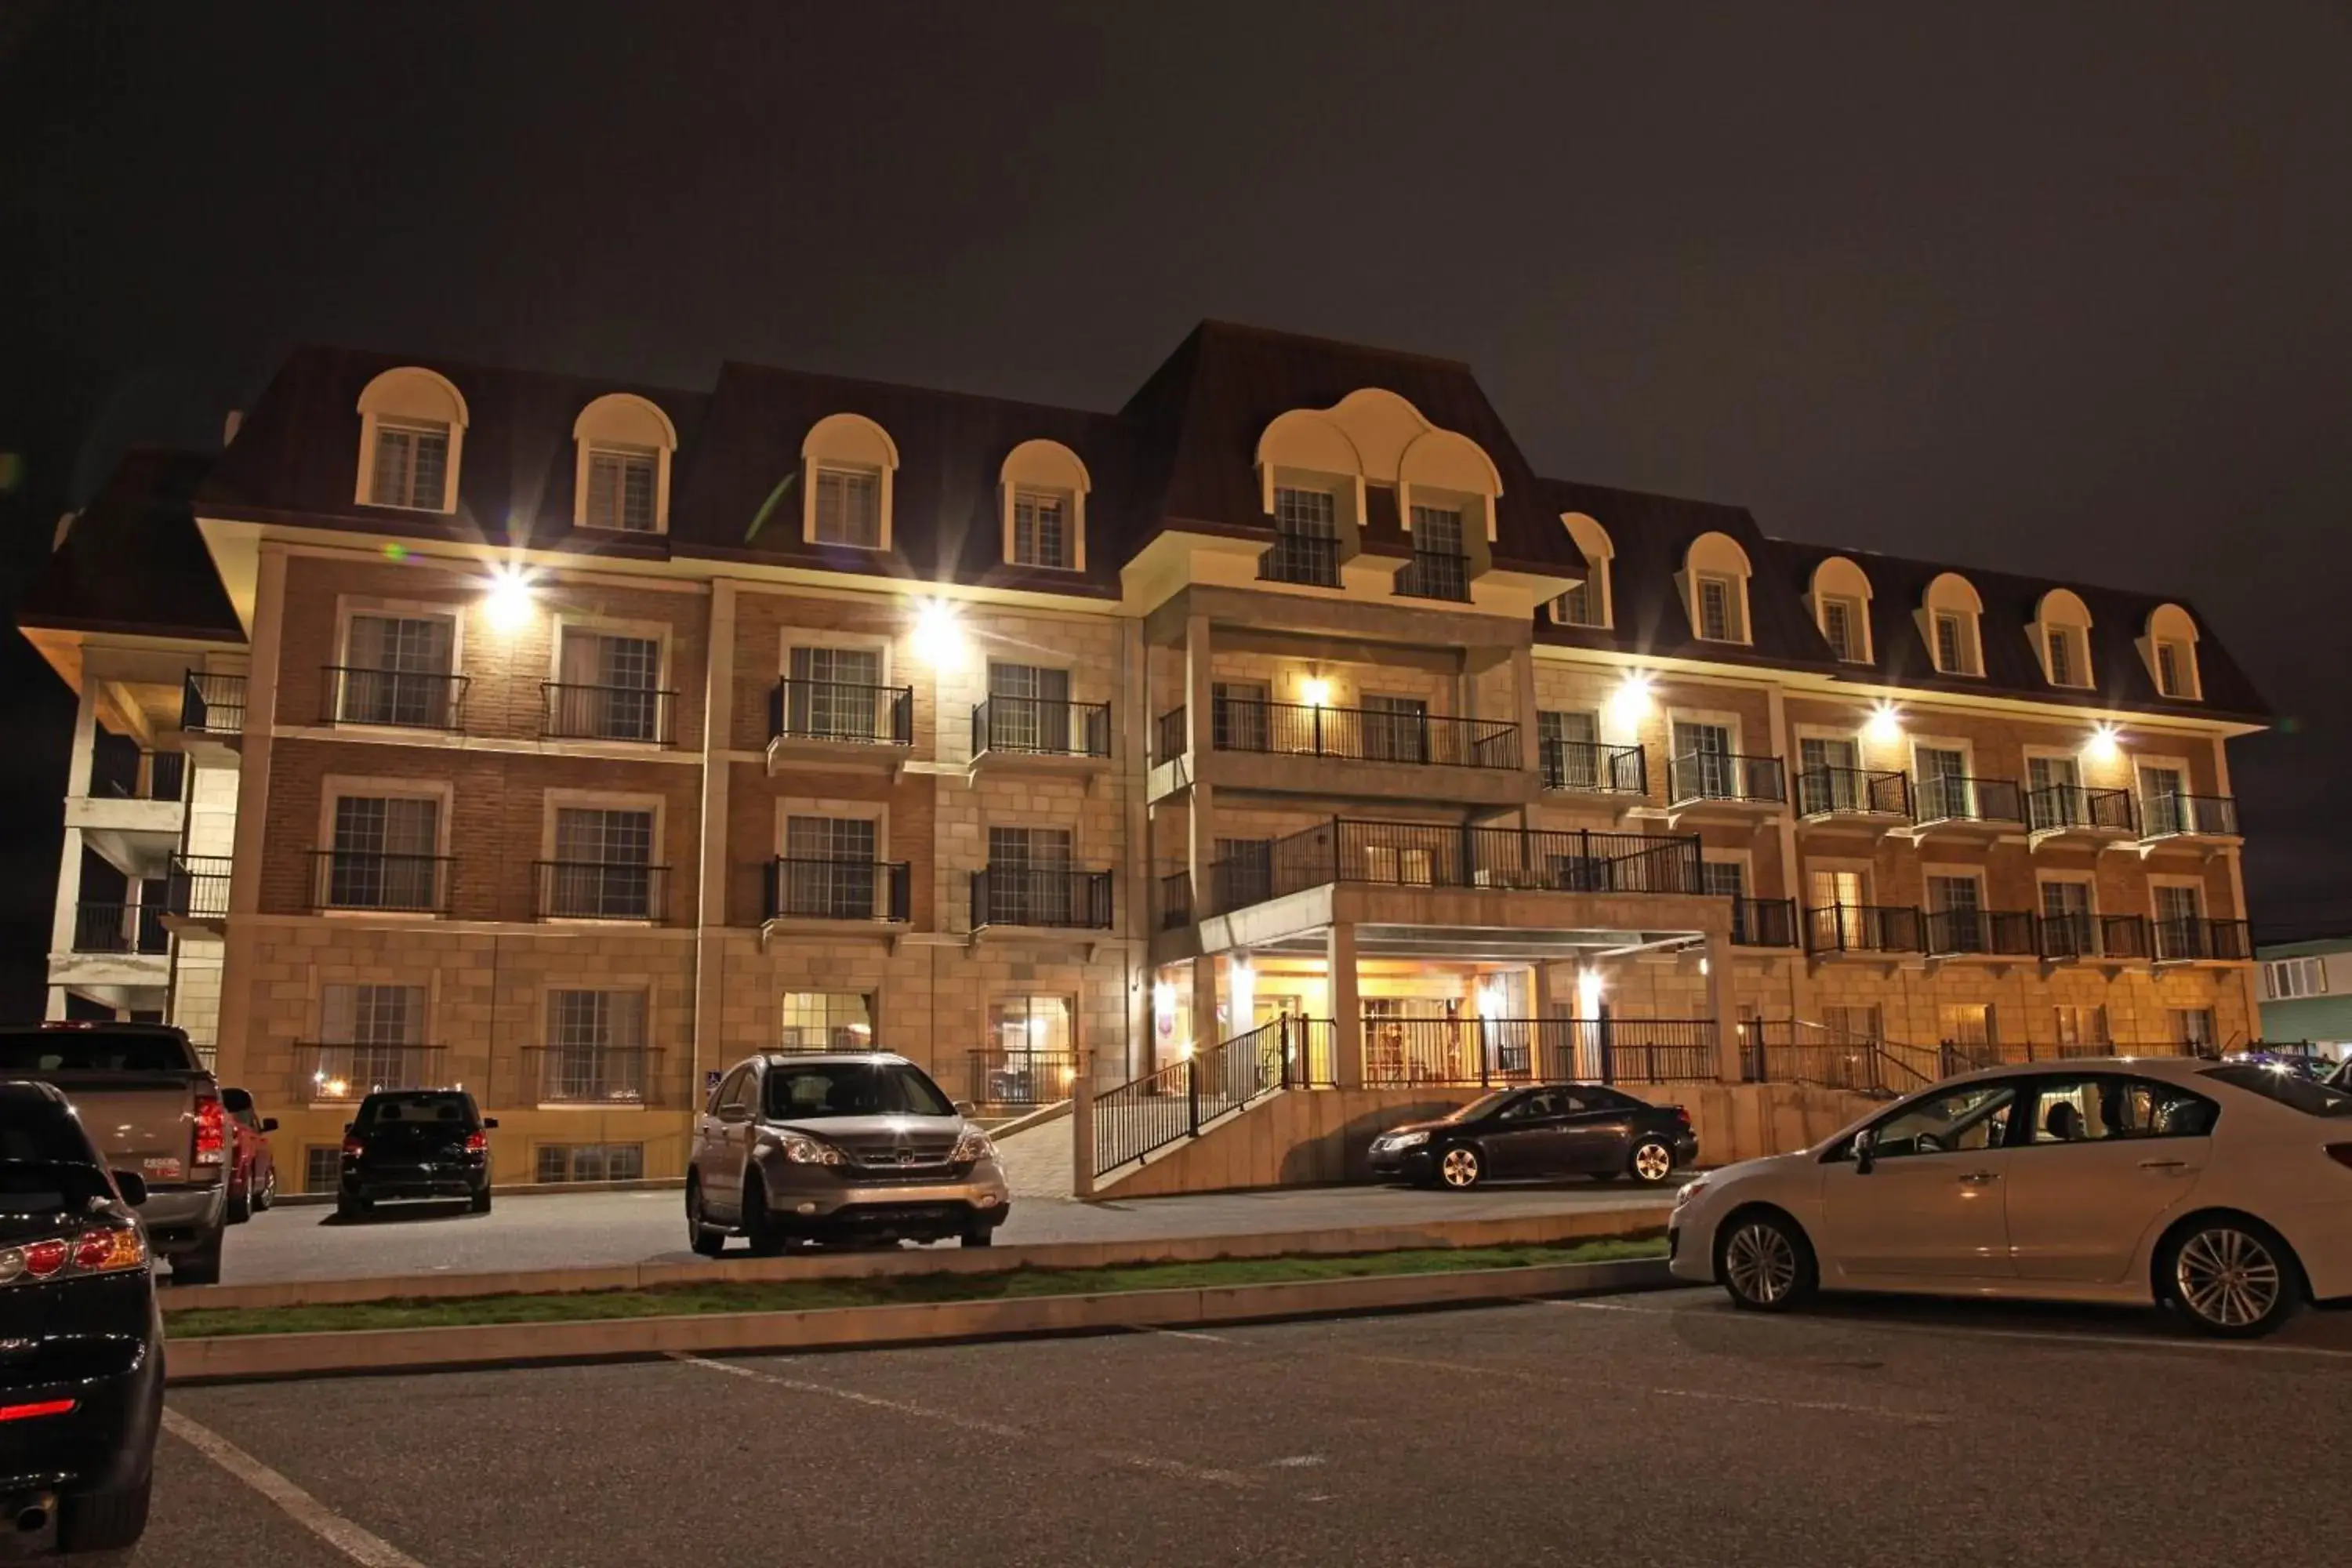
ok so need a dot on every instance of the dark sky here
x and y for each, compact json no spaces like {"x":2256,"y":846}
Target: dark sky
{"x":2060,"y":290}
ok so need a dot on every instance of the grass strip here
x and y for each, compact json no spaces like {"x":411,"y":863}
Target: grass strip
{"x":880,"y":1290}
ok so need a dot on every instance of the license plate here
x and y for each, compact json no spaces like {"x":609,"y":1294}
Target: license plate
{"x":160,"y":1165}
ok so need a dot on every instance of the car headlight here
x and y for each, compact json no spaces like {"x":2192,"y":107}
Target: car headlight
{"x":1405,"y":1140}
{"x":973,"y":1147}
{"x":1689,"y":1191}
{"x":803,"y":1149}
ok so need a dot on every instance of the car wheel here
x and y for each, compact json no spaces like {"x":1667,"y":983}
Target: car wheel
{"x":201,"y":1267}
{"x":1765,"y":1263}
{"x":705,"y":1240}
{"x":1460,"y":1168}
{"x":482,"y":1201}
{"x":266,"y":1198}
{"x":980,"y":1236}
{"x":2231,"y":1278}
{"x":239,"y":1209}
{"x":1652,"y":1162}
{"x":759,"y":1224}
{"x":103,"y":1522}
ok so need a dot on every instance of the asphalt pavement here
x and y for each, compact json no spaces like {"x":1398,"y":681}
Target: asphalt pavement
{"x":1655,"y":1428}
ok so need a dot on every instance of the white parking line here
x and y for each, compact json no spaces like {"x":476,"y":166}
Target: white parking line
{"x":359,"y":1545}
{"x":1880,"y":1412}
{"x":1193,"y":1334}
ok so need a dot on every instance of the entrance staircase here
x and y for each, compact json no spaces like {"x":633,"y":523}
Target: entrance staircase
{"x":1186,"y":1099}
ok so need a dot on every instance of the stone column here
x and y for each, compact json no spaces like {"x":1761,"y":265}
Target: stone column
{"x":1082,"y":1138}
{"x":1347,"y":1014}
{"x":1201,"y":838}
{"x":1723,"y":1007}
{"x":77,"y":769}
{"x":710,"y":881}
{"x":237,"y":1055}
{"x":1523,"y":687}
{"x":1205,"y":1032}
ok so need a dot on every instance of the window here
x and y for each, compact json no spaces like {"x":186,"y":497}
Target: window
{"x":322,"y":1167}
{"x":1313,"y":513}
{"x":2081,"y":1028}
{"x":621,"y":486}
{"x":2066,"y":919}
{"x":1396,"y":729}
{"x":1437,"y":570}
{"x":1973,"y":1118}
{"x":2063,"y":660}
{"x":623,"y":444}
{"x":1703,"y":763}
{"x":595,"y":1048}
{"x":1238,"y":717}
{"x":1436,"y":530}
{"x":829,"y":869}
{"x":1943,"y":784}
{"x":1965,"y":1023}
{"x":1851,"y":1023}
{"x":1029,"y":881}
{"x":2290,"y":979}
{"x":827,"y":1021}
{"x":1955,"y":895}
{"x":609,"y":687}
{"x":835,"y":693}
{"x":1723,"y":878}
{"x":848,"y":507}
{"x":1718,"y":610}
{"x":1041,"y":529}
{"x":1243,"y":871}
{"x":386,"y":854}
{"x":1029,"y":708}
{"x":369,"y":1037}
{"x":411,"y":466}
{"x":2193,"y":1027}
{"x":1571,"y":752}
{"x":604,"y":864}
{"x":1841,"y":626}
{"x":1028,"y":1026}
{"x":2172,"y":667}
{"x":555,"y":1163}
{"x":2180,"y":921}
{"x":1305,"y":539}
{"x":397,"y":670}
{"x":1577,"y":608}
{"x":1955,"y":647}
{"x":1830,"y":776}
{"x":1405,"y":864}
{"x":2053,"y":794}
{"x":1587,"y":604}
{"x":2098,"y":1108}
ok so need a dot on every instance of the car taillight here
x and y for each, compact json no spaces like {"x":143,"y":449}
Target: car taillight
{"x":2340,"y":1152}
{"x":212,"y":1129}
{"x":44,"y":1258}
{"x":1680,"y":1114}
{"x":353,"y":1148}
{"x":98,"y":1250}
{"x":46,"y":1407}
{"x":478,"y":1143}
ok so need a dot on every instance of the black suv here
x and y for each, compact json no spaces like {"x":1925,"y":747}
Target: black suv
{"x":415,"y":1143}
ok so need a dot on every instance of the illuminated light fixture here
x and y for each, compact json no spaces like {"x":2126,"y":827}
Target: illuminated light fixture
{"x":1630,"y":703}
{"x":1242,"y":979}
{"x":1588,"y":987}
{"x":939,"y":633}
{"x":1884,"y":726}
{"x":2105,"y":744}
{"x":509,"y":601}
{"x":1490,"y":1002}
{"x":1315,"y":691}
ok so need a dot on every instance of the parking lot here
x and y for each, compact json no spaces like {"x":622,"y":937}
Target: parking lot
{"x":1658,"y":1427}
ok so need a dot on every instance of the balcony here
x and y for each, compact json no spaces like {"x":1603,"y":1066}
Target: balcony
{"x":134,"y":798}
{"x":2190,"y":817}
{"x":812,"y":894}
{"x":2065,"y":938}
{"x":393,"y":699}
{"x":1424,"y":855}
{"x":629,"y":713}
{"x":2074,"y":814}
{"x":366,"y":879}
{"x":1722,"y":783}
{"x":1583,"y":767}
{"x":600,"y":890}
{"x":196,"y":890}
{"x":1364,"y":735}
{"x":1982,"y":933}
{"x":1022,"y":1078}
{"x":1763,"y":922}
{"x":1435,"y":575}
{"x":1958,"y":807}
{"x":1040,"y":897}
{"x":1869,"y":930}
{"x":1851,"y":797}
{"x":212,"y":704}
{"x":331,"y":1074}
{"x":1301,"y":558}
{"x":1487,"y":1052}
{"x":610,"y":1077}
{"x":1041,"y":733}
{"x":838,"y":722}
{"x":1176,"y":900}
{"x":119,"y":928}
{"x":2199,"y":940}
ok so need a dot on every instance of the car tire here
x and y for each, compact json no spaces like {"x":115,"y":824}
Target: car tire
{"x":759,"y":1224}
{"x":201,"y":1267}
{"x":481,"y":1201}
{"x":705,"y":1239}
{"x":239,"y":1210}
{"x":266,"y":1198}
{"x":104,"y":1521}
{"x":1652,"y":1162}
{"x":2230,"y":1277}
{"x":1460,"y":1168}
{"x":1765,"y":1263}
{"x":980,"y":1236}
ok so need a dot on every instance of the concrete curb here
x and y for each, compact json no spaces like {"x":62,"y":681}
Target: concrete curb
{"x":1517,"y":1230}
{"x":512,"y":1190}
{"x":257,"y":1356}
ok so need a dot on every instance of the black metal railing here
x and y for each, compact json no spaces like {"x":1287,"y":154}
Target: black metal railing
{"x":212,"y":704}
{"x":1175,"y":901}
{"x":1863,"y":928}
{"x":569,"y":712}
{"x":2094,"y":936}
{"x":130,"y":772}
{"x":119,"y":928}
{"x":1764,"y":922}
{"x":1435,"y":575}
{"x":1169,"y":736}
{"x":842,"y":710}
{"x":801,"y":888}
{"x":1022,"y":1078}
{"x":1466,"y":1051}
{"x":367,"y":879}
{"x":1787,"y":1050}
{"x":601,"y":890}
{"x":1429,"y":855}
{"x":594,"y":1074}
{"x":331,"y":1072}
{"x":1722,"y":775}
{"x":2058,"y":807}
{"x":1860,"y":792}
{"x":2190,"y":938}
{"x":1040,"y":726}
{"x":401,"y":698}
{"x":1991,"y":932}
{"x":1592,"y":768}
{"x":1300,"y":558}
{"x":197,"y":885}
{"x":2188,"y":816}
{"x":1358,"y":734}
{"x":1149,"y":1113}
{"x":1957,"y":797}
{"x":1031,"y":896}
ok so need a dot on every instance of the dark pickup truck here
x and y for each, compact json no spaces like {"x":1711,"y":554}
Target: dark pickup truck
{"x":152,"y":1108}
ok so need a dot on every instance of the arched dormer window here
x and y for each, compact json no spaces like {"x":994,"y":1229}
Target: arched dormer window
{"x":1042,"y":494}
{"x":1949,"y":615}
{"x":1714,"y":588}
{"x":1315,"y":465}
{"x":2169,"y":649}
{"x":620,"y":475}
{"x":411,"y":436}
{"x":1840,"y":596}
{"x":848,"y":462}
{"x":1589,"y":603}
{"x":2061,"y":637}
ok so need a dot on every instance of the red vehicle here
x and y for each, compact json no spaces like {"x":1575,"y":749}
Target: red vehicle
{"x":253,"y":1181}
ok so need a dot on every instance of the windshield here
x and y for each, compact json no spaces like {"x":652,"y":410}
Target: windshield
{"x":2288,"y":1088}
{"x":803,"y":1094}
{"x":41,"y":1187}
{"x":412,"y":1109}
{"x":45,"y":1163}
{"x":90,"y":1051}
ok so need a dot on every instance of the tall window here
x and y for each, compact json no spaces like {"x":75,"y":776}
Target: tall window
{"x":2163,"y":800}
{"x":2081,"y":1026}
{"x":1956,"y":645}
{"x":1028,"y":876}
{"x":829,"y":869}
{"x":1724,"y":878}
{"x":849,"y":507}
{"x":2194,"y":1027}
{"x":595,"y":1047}
{"x":2053,"y":796}
{"x":1965,"y":1023}
{"x":1831,"y":779}
{"x":609,"y":687}
{"x":1703,"y":760}
{"x":604,"y":864}
{"x":412,"y":465}
{"x":371,"y":1032}
{"x":1314,"y":513}
{"x":835,"y":693}
{"x":1031,"y":1025}
{"x":1841,"y":626}
{"x":2180,"y":921}
{"x":621,"y":485}
{"x":384,"y":854}
{"x":2172,"y":670}
{"x":396,"y":670}
{"x":1579,"y":606}
{"x":1305,"y":538}
{"x":1718,"y":610}
{"x":827,"y":1021}
{"x":1571,"y":751}
{"x":1436,"y":530}
{"x":2290,"y":979}
{"x":1041,"y":529}
{"x":2063,"y":661}
{"x":1396,"y":729}
{"x":1029,"y":707}
{"x":1943,"y":784}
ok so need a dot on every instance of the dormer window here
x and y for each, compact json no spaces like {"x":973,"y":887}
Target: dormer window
{"x":1042,"y":489}
{"x":1840,"y":600}
{"x":1719,"y":609}
{"x":2064,"y":661}
{"x":2062,"y":631}
{"x":1949,"y":613}
{"x":1041,"y":528}
{"x":1715,"y":587}
{"x":849,"y":463}
{"x":1955,"y":646}
{"x":1841,"y":626}
{"x":1587,"y":604}
{"x":411,"y":436}
{"x":848,"y":507}
{"x":622,"y":480}
{"x":412,"y":466}
{"x":1577,"y":608}
{"x":2169,"y":647}
{"x":1314,"y":513}
{"x":2172,"y":668}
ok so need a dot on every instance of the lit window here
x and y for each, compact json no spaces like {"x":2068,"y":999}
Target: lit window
{"x":1041,"y":529}
{"x":827,"y":1021}
{"x":621,"y":488}
{"x":1718,"y":610}
{"x":412,"y":465}
{"x":2290,"y":979}
{"x":849,"y":508}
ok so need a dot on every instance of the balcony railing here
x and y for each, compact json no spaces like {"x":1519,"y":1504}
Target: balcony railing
{"x":1169,"y":736}
{"x":1022,"y":1078}
{"x":367,"y":879}
{"x":332,"y":1073}
{"x":2094,"y":936}
{"x":1989,"y":933}
{"x":2188,"y":816}
{"x":212,"y":704}
{"x":601,"y":890}
{"x":2056,"y":808}
{"x":842,"y":710}
{"x":119,"y":927}
{"x":594,"y":1074}
{"x":1366,"y":735}
{"x":1957,"y":797}
{"x":1863,"y":928}
{"x":197,"y":885}
{"x":1301,"y":558}
{"x":128,"y":772}
{"x":1411,"y":854}
{"x":605,"y":713}
{"x":1591,"y":768}
{"x":1764,"y":922}
{"x":1031,"y":896}
{"x":1411,"y":1052}
{"x":799,"y":887}
{"x":1788,"y":1050}
{"x":2186,"y":939}
{"x":1040,"y":726}
{"x":1435,"y":575}
{"x":400,"y":699}
{"x":1720,"y":775}
{"x":1176,"y":900}
{"x":1852,"y":792}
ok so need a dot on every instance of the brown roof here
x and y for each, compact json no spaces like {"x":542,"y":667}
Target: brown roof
{"x":132,"y":561}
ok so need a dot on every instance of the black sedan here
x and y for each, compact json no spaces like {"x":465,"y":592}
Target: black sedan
{"x":1548,"y":1129}
{"x":415,"y":1143}
{"x":81,"y":1342}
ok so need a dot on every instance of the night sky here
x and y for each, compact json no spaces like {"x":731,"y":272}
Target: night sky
{"x":2056,"y":290}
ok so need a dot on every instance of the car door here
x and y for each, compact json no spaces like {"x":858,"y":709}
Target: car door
{"x":1597,"y":1132}
{"x":720,"y":1155}
{"x":2099,"y":1161}
{"x":1514,"y":1138}
{"x":1930,"y":1205}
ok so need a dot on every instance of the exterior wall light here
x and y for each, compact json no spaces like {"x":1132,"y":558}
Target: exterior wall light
{"x":1630,"y":703}
{"x":507,"y":602}
{"x":1588,"y":987}
{"x":939,"y":633}
{"x":1241,"y":981}
{"x":1884,"y":726}
{"x":1316,"y":692}
{"x":2104,"y":746}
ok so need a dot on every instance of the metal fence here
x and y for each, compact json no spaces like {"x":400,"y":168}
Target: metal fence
{"x":212,"y":704}
{"x":119,"y":927}
{"x":1725,"y":776}
{"x":1358,"y":734}
{"x":1175,"y":1102}
{"x":605,"y":713}
{"x":1028,"y":896}
{"x":367,"y":879}
{"x":1863,"y":928}
{"x":1498,"y":1052}
{"x":401,"y":698}
{"x":798,"y":887}
{"x":601,"y":890}
{"x":1957,"y":797}
{"x":1997,"y":932}
{"x":1430,"y":855}
{"x":197,"y":885}
{"x":847,"y":711}
{"x":595,"y":1075}
{"x":1041,"y":726}
{"x":1592,"y":768}
{"x":1857,"y":792}
{"x":1300,"y":558}
{"x":1764,"y":922}
{"x":1435,"y":575}
{"x":1022,"y":1078}
{"x":2058,"y":807}
{"x":2174,"y":815}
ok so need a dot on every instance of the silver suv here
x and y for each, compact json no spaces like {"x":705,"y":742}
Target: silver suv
{"x":825,"y":1148}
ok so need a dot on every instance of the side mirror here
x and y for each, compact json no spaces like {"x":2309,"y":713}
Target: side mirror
{"x":490,"y":1123}
{"x":270,"y":1124}
{"x":966,"y":1107}
{"x":734,"y":1113}
{"x":132,"y":1185}
{"x":1865,"y":1152}
{"x":349,"y":1126}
